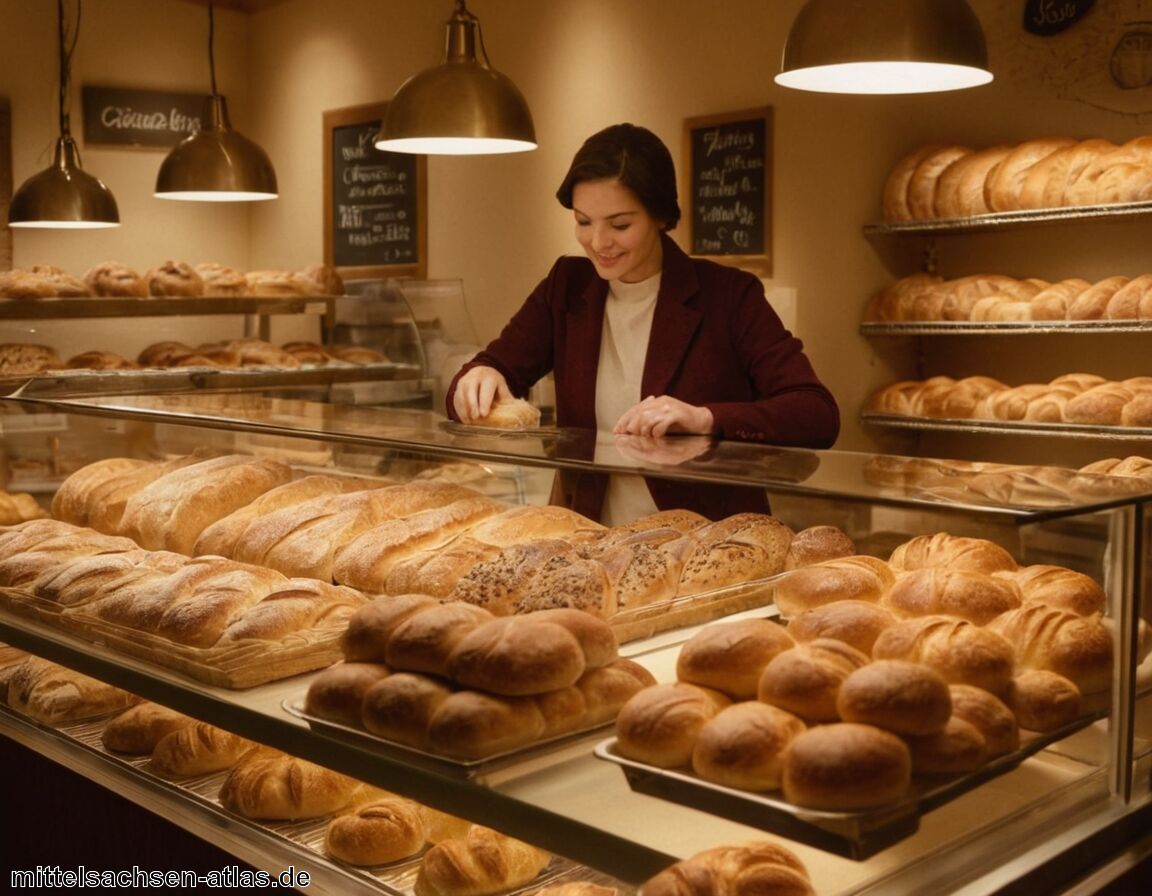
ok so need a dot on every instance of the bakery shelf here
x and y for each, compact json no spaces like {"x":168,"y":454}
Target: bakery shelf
{"x":160,"y":306}
{"x":1010,"y":427}
{"x":995,"y":328}
{"x":1002,"y":220}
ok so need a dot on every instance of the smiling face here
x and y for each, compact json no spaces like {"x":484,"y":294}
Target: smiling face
{"x":616,"y":231}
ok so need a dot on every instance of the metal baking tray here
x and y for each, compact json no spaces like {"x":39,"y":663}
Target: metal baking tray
{"x":1010,"y":427}
{"x":985,"y":328}
{"x":855,"y":834}
{"x":1000,"y":220}
{"x":467,"y":769}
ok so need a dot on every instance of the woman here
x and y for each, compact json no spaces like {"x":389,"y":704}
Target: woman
{"x":646,"y":341}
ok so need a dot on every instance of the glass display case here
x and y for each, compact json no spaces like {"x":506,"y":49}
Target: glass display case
{"x":1046,"y":814}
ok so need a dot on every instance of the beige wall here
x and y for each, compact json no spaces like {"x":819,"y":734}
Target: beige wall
{"x":582,"y":64}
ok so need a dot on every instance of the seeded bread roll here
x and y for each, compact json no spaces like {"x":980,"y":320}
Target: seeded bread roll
{"x":659,"y":725}
{"x":730,"y":655}
{"x":844,"y":766}
{"x":742,"y":746}
{"x":738,"y":548}
{"x":902,"y":697}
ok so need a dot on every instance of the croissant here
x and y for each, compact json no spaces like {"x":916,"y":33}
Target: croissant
{"x":483,"y":862}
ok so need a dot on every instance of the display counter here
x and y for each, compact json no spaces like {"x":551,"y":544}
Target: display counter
{"x":1049,"y":816}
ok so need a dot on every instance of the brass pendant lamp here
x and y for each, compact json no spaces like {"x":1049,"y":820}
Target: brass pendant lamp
{"x":462,"y":107}
{"x":216,"y":164}
{"x":64,"y":195}
{"x":884,"y":47}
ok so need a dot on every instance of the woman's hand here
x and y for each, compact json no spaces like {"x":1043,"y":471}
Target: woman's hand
{"x":657,"y":415}
{"x":476,"y":392}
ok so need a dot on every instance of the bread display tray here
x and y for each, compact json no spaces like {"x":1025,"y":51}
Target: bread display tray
{"x":395,"y":879}
{"x":241,"y":666}
{"x":446,"y":765}
{"x":1011,"y":427}
{"x":853,"y":834}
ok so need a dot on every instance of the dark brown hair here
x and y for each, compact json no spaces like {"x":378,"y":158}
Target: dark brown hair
{"x":638,"y":159}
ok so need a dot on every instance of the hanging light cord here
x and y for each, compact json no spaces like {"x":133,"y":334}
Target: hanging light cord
{"x":462,"y":13}
{"x":211,"y":44}
{"x":66,"y":64}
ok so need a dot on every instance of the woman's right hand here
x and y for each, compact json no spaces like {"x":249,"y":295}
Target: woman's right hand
{"x":476,"y":391}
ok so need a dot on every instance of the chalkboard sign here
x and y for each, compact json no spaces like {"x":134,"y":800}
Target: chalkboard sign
{"x":129,"y":117}
{"x":728,"y":187}
{"x":375,"y":203}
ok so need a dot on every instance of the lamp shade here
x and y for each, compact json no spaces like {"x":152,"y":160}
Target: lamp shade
{"x":884,"y":46}
{"x":216,"y":163}
{"x":462,"y":107}
{"x":63,"y":195}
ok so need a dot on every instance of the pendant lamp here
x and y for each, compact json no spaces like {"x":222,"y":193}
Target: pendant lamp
{"x":216,"y":164}
{"x":64,"y":195}
{"x":884,"y":46}
{"x":462,"y":107}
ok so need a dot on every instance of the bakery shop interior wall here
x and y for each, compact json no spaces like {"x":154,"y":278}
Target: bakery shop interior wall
{"x":155,"y":44}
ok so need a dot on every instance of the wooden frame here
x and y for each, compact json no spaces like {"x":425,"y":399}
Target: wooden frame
{"x":727,"y":188}
{"x":365,"y":235}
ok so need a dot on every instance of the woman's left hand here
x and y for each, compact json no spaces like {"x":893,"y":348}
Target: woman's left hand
{"x":657,"y":415}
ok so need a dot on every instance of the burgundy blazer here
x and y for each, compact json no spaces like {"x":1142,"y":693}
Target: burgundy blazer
{"x":715,"y":342}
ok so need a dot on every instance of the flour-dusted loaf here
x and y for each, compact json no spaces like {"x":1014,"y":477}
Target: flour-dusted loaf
{"x":199,"y":749}
{"x":273,"y":786}
{"x":54,"y":694}
{"x":138,"y":729}
{"x":293,"y":607}
{"x":172,"y":511}
{"x":482,"y":863}
{"x":384,"y":830}
{"x":961,"y":651}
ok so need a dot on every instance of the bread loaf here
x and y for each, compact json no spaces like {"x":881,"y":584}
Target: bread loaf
{"x":806,"y":679}
{"x":299,"y":605}
{"x":1060,"y":587}
{"x":138,"y":729}
{"x":975,"y":596}
{"x":855,"y":622}
{"x":953,"y":551}
{"x":269,"y":785}
{"x":990,"y":715}
{"x":425,"y":641}
{"x":921,"y":195}
{"x":371,"y":626}
{"x":659,"y":725}
{"x":730,"y":655}
{"x":903,"y":697}
{"x":961,"y":651}
{"x":510,"y":413}
{"x":845,"y":766}
{"x":1045,"y":637}
{"x":520,"y":524}
{"x":436,"y":572}
{"x":960,"y":190}
{"x":817,"y":544}
{"x":475,"y":725}
{"x":859,"y":577}
{"x":399,"y":707}
{"x":959,"y":748}
{"x":1044,"y":700}
{"x":742,"y":746}
{"x":763,"y":867}
{"x":54,"y":694}
{"x":199,"y":749}
{"x":515,"y":656}
{"x":577,"y":888}
{"x":378,"y":832}
{"x":738,"y":548}
{"x":19,"y":507}
{"x":483,"y":863}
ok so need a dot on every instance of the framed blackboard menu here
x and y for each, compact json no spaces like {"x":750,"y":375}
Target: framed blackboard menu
{"x":727,"y":176}
{"x":375,"y":203}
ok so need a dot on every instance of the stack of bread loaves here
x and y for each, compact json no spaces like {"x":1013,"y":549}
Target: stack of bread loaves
{"x":928,"y":663}
{"x":455,"y":680}
{"x":953,"y":181}
{"x":999,"y":298}
{"x":1072,"y":398}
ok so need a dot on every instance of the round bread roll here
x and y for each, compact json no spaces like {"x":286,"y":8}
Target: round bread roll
{"x":607,"y":688}
{"x":659,"y":725}
{"x":953,"y":551}
{"x":759,"y":867}
{"x":138,"y":729}
{"x":475,"y":725}
{"x":510,"y":413}
{"x":376,"y":833}
{"x":516,"y":656}
{"x":113,"y":279}
{"x":1005,"y":185}
{"x":975,"y":596}
{"x":958,"y":749}
{"x":1060,"y":587}
{"x":1044,"y":700}
{"x":163,"y":354}
{"x":357,"y":354}
{"x":60,"y":282}
{"x":817,"y":544}
{"x":849,"y":578}
{"x":961,"y":651}
{"x":371,"y":626}
{"x":325,"y":278}
{"x":730,"y":655}
{"x":742,"y":746}
{"x":896,"y":695}
{"x":1077,"y":647}
{"x":400,"y":707}
{"x":991,"y":716}
{"x":19,"y":359}
{"x":337,"y":693}
{"x":424,"y":641}
{"x":1101,"y":405}
{"x":277,"y":787}
{"x":806,"y":679}
{"x":174,"y":278}
{"x":844,"y":766}
{"x":221,"y":280}
{"x":596,"y":637}
{"x":1052,"y":303}
{"x":855,"y":622}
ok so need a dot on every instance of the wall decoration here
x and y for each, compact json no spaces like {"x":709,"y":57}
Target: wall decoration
{"x":727,"y":193}
{"x":375,"y":203}
{"x":130,"y":117}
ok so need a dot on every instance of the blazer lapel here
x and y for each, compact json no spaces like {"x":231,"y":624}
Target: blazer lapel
{"x":674,"y":321}
{"x":585,"y":324}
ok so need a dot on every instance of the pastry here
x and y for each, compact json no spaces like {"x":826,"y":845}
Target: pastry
{"x":113,"y":279}
{"x":174,"y":278}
